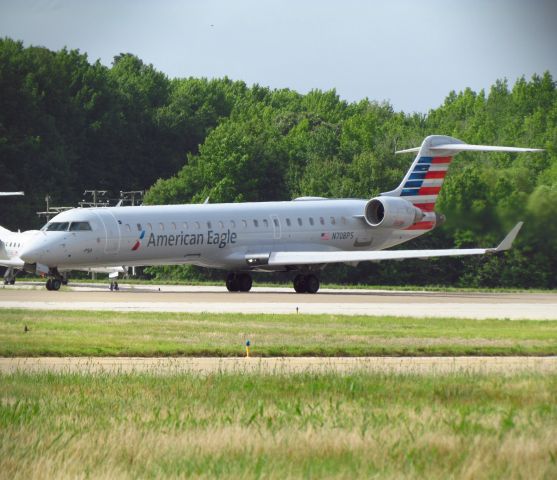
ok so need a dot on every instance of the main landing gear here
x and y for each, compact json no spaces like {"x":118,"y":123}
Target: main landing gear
{"x":114,"y":286}
{"x":241,"y":282}
{"x":306,"y":283}
{"x":238,"y":282}
{"x":9,"y":276}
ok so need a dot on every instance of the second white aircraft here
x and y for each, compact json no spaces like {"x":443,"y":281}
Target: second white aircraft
{"x":303,"y":235}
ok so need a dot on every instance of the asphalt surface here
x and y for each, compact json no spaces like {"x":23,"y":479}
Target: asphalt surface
{"x":283,"y":365}
{"x":33,"y":295}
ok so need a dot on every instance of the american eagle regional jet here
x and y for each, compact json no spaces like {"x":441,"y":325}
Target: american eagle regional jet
{"x":303,"y":235}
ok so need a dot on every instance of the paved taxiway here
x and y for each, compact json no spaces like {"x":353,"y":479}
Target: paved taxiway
{"x":282,"y":365}
{"x":148,"y":298}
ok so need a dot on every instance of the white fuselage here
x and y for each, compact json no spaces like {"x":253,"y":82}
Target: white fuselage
{"x":212,"y":235}
{"x":12,"y":243}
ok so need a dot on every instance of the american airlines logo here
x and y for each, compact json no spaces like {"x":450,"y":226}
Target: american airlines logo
{"x":138,"y":242}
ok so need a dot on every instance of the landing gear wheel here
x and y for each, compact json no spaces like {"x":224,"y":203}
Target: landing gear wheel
{"x":49,"y":284}
{"x":244,"y":282}
{"x":55,"y":284}
{"x":300,"y":284}
{"x":12,"y":281}
{"x":232,"y":283}
{"x":312,"y":284}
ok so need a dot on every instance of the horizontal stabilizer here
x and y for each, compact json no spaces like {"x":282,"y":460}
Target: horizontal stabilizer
{"x":464,"y":147}
{"x":315,"y":257}
{"x":455,"y":148}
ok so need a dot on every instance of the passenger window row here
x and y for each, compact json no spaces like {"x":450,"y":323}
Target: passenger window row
{"x":257,"y":223}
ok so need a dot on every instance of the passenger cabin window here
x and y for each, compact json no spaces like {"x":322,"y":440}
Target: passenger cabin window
{"x":244,"y":223}
{"x":321,"y":220}
{"x":221,"y":225}
{"x":276,"y":222}
{"x":197,"y":225}
{"x":185,"y":224}
{"x":161,"y":226}
{"x":288,"y":222}
{"x":266,"y":223}
{"x":128,"y":228}
{"x":139,"y":227}
{"x":208,"y":224}
{"x":57,"y":226}
{"x":173,"y":226}
{"x":149,"y":227}
{"x":343,"y":220}
{"x":333,"y":221}
{"x":311,"y":221}
{"x":80,"y":227}
{"x":256,"y":223}
{"x":300,"y":221}
{"x":232,"y":224}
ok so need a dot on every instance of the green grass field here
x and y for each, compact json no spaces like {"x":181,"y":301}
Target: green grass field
{"x":66,"y":333}
{"x":273,"y":426}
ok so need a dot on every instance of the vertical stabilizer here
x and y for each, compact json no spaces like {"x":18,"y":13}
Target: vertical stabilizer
{"x":423,"y":181}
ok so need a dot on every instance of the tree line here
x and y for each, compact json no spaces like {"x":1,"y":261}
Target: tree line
{"x":67,"y":124}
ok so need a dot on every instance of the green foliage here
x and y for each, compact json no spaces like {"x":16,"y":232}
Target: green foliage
{"x":67,"y":125}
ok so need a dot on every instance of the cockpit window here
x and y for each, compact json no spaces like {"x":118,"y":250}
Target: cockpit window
{"x":79,"y":226}
{"x":57,"y":226}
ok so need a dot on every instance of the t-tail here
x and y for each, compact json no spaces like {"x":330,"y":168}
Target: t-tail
{"x":423,"y":181}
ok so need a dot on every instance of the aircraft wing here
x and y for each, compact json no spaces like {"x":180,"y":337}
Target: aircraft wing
{"x":315,"y":257}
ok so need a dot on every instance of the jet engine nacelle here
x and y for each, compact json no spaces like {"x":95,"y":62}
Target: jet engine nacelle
{"x":391,"y":212}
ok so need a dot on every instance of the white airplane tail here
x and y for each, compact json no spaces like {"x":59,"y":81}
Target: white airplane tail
{"x":4,"y":233}
{"x":423,"y":181}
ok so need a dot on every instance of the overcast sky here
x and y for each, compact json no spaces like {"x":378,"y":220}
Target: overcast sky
{"x":408,"y":52}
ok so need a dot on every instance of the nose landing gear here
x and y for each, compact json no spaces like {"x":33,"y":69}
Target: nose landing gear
{"x":53,"y":283}
{"x":56,"y":279}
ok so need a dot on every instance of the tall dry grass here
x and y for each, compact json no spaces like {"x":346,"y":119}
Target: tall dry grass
{"x":357,"y":425}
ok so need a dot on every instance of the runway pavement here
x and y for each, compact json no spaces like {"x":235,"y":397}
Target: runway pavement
{"x":283,"y":365}
{"x":533,"y":306}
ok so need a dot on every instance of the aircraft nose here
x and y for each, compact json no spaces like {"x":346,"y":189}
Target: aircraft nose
{"x":32,"y":252}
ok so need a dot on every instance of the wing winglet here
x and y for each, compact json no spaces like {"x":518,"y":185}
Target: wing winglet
{"x":408,"y":150}
{"x":507,"y":242}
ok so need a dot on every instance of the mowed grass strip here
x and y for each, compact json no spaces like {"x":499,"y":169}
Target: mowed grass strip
{"x":272,"y":426}
{"x":86,"y":333}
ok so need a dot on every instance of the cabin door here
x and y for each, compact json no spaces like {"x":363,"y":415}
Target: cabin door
{"x":276,"y":227}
